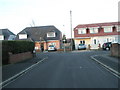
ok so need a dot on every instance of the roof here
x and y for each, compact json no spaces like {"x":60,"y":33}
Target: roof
{"x":6,"y":33}
{"x":34,"y":33}
{"x":97,"y":24}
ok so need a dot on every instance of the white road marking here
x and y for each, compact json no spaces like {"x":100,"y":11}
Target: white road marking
{"x":8,"y":81}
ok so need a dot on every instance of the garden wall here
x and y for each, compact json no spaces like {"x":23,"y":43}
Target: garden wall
{"x":115,"y":50}
{"x":13,"y":58}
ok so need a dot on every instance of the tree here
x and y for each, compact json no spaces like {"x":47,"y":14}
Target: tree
{"x":64,"y":39}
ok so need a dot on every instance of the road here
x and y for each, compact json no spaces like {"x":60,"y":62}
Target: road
{"x":67,"y":70}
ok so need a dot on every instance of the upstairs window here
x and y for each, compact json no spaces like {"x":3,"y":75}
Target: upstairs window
{"x":118,"y":28}
{"x":94,"y":30}
{"x":11,"y":37}
{"x":82,"y":31}
{"x":1,"y":37}
{"x":108,"y":29}
{"x":22,"y":36}
{"x":51,"y":34}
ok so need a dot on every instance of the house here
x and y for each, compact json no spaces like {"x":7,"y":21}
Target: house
{"x":94,"y":35}
{"x":6,"y":34}
{"x":43,"y":36}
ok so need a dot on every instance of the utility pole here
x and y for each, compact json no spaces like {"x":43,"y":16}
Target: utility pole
{"x":71,"y":27}
{"x":33,"y":23}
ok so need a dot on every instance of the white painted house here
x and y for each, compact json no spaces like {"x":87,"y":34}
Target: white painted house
{"x":6,"y":34}
{"x":96,"y":34}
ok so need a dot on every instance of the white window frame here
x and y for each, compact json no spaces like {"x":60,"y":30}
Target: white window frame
{"x":118,"y":28}
{"x":108,"y":29}
{"x":22,"y":36}
{"x":94,"y":29}
{"x":48,"y":34}
{"x":82,"y":31}
{"x":1,"y":37}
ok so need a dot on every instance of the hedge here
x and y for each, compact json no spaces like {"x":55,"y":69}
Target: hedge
{"x":15,"y":47}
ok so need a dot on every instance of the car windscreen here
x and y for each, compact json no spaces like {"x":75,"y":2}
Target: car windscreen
{"x":81,"y":44}
{"x":51,"y":46}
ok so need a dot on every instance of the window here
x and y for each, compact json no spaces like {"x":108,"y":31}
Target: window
{"x":95,"y":42}
{"x":51,"y":34}
{"x":82,"y":42}
{"x":93,"y":30}
{"x":82,"y":31}
{"x":22,"y":36}
{"x":107,"y":29}
{"x":1,"y":37}
{"x":11,"y":37}
{"x":118,"y":28}
{"x":107,"y":39}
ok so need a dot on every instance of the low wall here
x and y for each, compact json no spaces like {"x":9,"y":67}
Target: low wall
{"x":115,"y":50}
{"x":63,"y":50}
{"x":13,"y":58}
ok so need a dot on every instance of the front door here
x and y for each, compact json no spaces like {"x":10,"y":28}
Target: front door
{"x":42,"y":47}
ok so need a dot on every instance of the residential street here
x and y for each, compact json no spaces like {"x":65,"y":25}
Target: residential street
{"x":67,"y":70}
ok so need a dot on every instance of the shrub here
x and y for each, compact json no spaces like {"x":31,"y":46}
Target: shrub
{"x":15,"y":47}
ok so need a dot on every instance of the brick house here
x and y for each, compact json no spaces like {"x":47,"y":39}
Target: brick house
{"x":43,"y":36}
{"x":6,"y":34}
{"x":96,"y":34}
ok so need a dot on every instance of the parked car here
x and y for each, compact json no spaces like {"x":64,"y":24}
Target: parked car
{"x":51,"y":48}
{"x":106,"y":46}
{"x":81,"y":47}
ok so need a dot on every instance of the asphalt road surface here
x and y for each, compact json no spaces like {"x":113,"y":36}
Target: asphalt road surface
{"x":67,"y":70}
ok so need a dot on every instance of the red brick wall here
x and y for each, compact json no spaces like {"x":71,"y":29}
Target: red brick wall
{"x":38,"y":44}
{"x":13,"y":58}
{"x":115,"y":50}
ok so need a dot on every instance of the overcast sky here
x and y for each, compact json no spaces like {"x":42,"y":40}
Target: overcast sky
{"x":19,"y":14}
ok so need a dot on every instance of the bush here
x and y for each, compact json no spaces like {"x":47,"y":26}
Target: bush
{"x":15,"y":47}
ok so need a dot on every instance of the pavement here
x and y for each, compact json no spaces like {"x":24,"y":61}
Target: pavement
{"x":109,"y":62}
{"x":10,"y":70}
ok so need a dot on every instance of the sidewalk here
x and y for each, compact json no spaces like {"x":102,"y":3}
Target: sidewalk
{"x":13,"y":69}
{"x":109,"y":62}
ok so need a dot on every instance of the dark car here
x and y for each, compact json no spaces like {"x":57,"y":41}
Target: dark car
{"x":81,"y":47}
{"x":106,"y":46}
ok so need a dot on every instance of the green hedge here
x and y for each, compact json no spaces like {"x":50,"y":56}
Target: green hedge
{"x":15,"y":47}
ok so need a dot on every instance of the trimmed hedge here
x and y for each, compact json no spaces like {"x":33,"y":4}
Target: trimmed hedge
{"x":15,"y":47}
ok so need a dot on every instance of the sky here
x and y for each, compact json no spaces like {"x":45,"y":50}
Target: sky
{"x":19,"y":14}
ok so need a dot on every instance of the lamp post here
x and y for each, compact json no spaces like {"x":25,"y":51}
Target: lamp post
{"x":71,"y":27}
